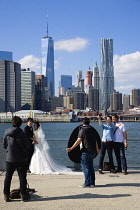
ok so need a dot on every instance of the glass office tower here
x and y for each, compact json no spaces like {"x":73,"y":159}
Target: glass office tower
{"x":65,"y":82}
{"x":47,"y":49}
{"x":5,"y":55}
{"x":106,"y":73}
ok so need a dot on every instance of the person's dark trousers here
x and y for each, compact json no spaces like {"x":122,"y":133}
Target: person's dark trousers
{"x":21,"y":169}
{"x":122,"y":155}
{"x":106,"y":146}
{"x":116,"y":147}
{"x":88,"y":168}
{"x":29,"y":155}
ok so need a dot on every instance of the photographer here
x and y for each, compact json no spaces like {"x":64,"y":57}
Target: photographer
{"x":16,"y":144}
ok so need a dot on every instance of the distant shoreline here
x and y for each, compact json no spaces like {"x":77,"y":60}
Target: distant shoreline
{"x":72,"y":121}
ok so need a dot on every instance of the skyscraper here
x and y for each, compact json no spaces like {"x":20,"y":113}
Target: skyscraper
{"x":126,"y":102}
{"x":106,"y":73}
{"x":40,"y":92}
{"x":79,"y":100}
{"x":95,"y":77}
{"x":136,"y":97}
{"x":88,"y":81}
{"x":27,"y":89}
{"x":78,"y":77}
{"x":93,"y":98}
{"x":116,"y":101}
{"x":5,"y":55}
{"x":10,"y":86}
{"x":65,"y":82}
{"x":47,"y":49}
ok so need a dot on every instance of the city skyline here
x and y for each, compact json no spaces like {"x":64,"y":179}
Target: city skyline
{"x":76,"y":34}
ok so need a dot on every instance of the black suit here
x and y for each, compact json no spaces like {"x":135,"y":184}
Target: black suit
{"x":29,"y":133}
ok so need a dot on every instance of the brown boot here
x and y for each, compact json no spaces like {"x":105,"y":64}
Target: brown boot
{"x":6,"y":198}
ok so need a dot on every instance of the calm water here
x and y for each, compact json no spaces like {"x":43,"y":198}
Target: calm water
{"x":62,"y":131}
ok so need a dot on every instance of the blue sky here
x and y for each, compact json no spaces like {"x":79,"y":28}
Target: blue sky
{"x":77,"y":27}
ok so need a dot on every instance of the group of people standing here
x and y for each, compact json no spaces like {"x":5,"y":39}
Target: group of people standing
{"x":29,"y":151}
{"x":114,"y":138}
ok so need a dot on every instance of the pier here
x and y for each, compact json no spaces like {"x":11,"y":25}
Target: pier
{"x":54,"y":192}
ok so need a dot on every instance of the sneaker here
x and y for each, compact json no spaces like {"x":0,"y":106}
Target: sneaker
{"x":92,"y":186}
{"x":101,"y":171}
{"x":24,"y":198}
{"x":6,"y":198}
{"x":84,"y":186}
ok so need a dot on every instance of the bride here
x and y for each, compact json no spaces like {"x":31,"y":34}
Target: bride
{"x":42,"y":162}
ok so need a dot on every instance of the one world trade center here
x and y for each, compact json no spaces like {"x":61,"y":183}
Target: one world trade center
{"x":47,"y":50}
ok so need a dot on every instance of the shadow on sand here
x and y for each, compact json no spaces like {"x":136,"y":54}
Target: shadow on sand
{"x":80,"y":196}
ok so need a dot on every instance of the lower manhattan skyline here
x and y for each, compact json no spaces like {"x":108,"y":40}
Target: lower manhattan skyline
{"x":76,"y":34}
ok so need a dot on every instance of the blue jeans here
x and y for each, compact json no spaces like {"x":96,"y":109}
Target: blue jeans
{"x":88,"y":169}
{"x":120,"y":155}
{"x":21,"y":169}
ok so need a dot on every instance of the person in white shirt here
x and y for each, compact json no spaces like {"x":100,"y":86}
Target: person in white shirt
{"x":119,"y":145}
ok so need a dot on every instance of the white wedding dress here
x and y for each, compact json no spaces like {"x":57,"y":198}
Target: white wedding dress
{"x":42,"y":162}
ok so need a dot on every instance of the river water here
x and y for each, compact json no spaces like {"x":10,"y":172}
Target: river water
{"x":60,"y":132}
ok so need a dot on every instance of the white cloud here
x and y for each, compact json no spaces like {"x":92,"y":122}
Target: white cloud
{"x":32,"y":62}
{"x":125,"y":89}
{"x":71,"y":45}
{"x":127,"y":71}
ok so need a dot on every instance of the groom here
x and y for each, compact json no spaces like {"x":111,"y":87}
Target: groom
{"x":29,"y":133}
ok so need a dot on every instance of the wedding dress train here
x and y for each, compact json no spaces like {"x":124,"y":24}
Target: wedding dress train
{"x":42,"y":162}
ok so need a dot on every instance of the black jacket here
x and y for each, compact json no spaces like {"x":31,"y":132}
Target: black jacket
{"x":29,"y":133}
{"x":16,"y":144}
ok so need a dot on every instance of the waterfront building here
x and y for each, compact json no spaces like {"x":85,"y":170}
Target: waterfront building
{"x":10,"y":86}
{"x":79,"y":100}
{"x":116,"y":101}
{"x":106,"y":73}
{"x":40,"y":99}
{"x":27,"y":89}
{"x":47,"y":49}
{"x":96,"y":77}
{"x":93,"y":98}
{"x":126,"y":102}
{"x":136,"y":97}
{"x":65,"y":82}
{"x":5,"y":55}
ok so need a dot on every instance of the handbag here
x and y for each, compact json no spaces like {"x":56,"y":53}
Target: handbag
{"x":15,"y":193}
{"x":106,"y":166}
